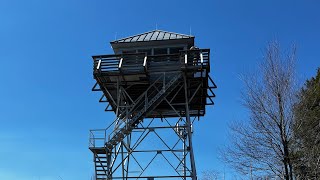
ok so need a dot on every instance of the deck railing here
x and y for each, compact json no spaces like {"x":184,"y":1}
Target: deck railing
{"x":99,"y":137}
{"x":141,"y":62}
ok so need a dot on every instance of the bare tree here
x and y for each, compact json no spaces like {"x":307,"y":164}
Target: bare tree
{"x":261,"y":145}
{"x":210,"y":175}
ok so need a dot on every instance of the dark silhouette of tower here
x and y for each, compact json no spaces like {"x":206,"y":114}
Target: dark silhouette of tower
{"x":157,"y":84}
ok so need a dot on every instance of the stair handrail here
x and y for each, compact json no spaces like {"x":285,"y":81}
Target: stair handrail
{"x":130,"y":121}
{"x":136,"y":102}
{"x":93,"y":137}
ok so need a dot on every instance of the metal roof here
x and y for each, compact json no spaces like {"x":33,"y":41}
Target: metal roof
{"x":155,"y":35}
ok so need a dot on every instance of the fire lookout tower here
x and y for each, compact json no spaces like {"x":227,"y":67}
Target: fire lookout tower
{"x":157,"y":84}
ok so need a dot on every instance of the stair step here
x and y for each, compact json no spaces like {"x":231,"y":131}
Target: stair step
{"x":125,"y":131}
{"x":101,"y":156}
{"x":101,"y":162}
{"x":101,"y":170}
{"x":98,"y":162}
{"x":101,"y":166}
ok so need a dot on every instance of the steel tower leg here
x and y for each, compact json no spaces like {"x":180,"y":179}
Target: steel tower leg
{"x":184,"y":154}
{"x":109,"y":171}
{"x":189,"y":133}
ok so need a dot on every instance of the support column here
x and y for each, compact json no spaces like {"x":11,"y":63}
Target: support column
{"x":193,"y":166}
{"x":109,"y":169}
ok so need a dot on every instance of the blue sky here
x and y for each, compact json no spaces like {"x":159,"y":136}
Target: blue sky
{"x":46,"y":103}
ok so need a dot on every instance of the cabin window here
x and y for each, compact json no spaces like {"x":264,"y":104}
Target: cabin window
{"x":175,"y":50}
{"x":157,"y":51}
{"x":129,"y":52}
{"x":148,"y":51}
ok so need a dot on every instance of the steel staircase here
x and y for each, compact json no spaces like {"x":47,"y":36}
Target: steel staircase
{"x":100,"y":167}
{"x":139,"y":109}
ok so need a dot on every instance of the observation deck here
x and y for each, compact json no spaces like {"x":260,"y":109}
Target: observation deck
{"x":135,"y":72}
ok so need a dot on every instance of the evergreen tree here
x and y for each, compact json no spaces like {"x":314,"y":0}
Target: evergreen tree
{"x":307,"y":130}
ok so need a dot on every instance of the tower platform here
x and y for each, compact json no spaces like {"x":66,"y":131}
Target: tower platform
{"x":137,"y":71}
